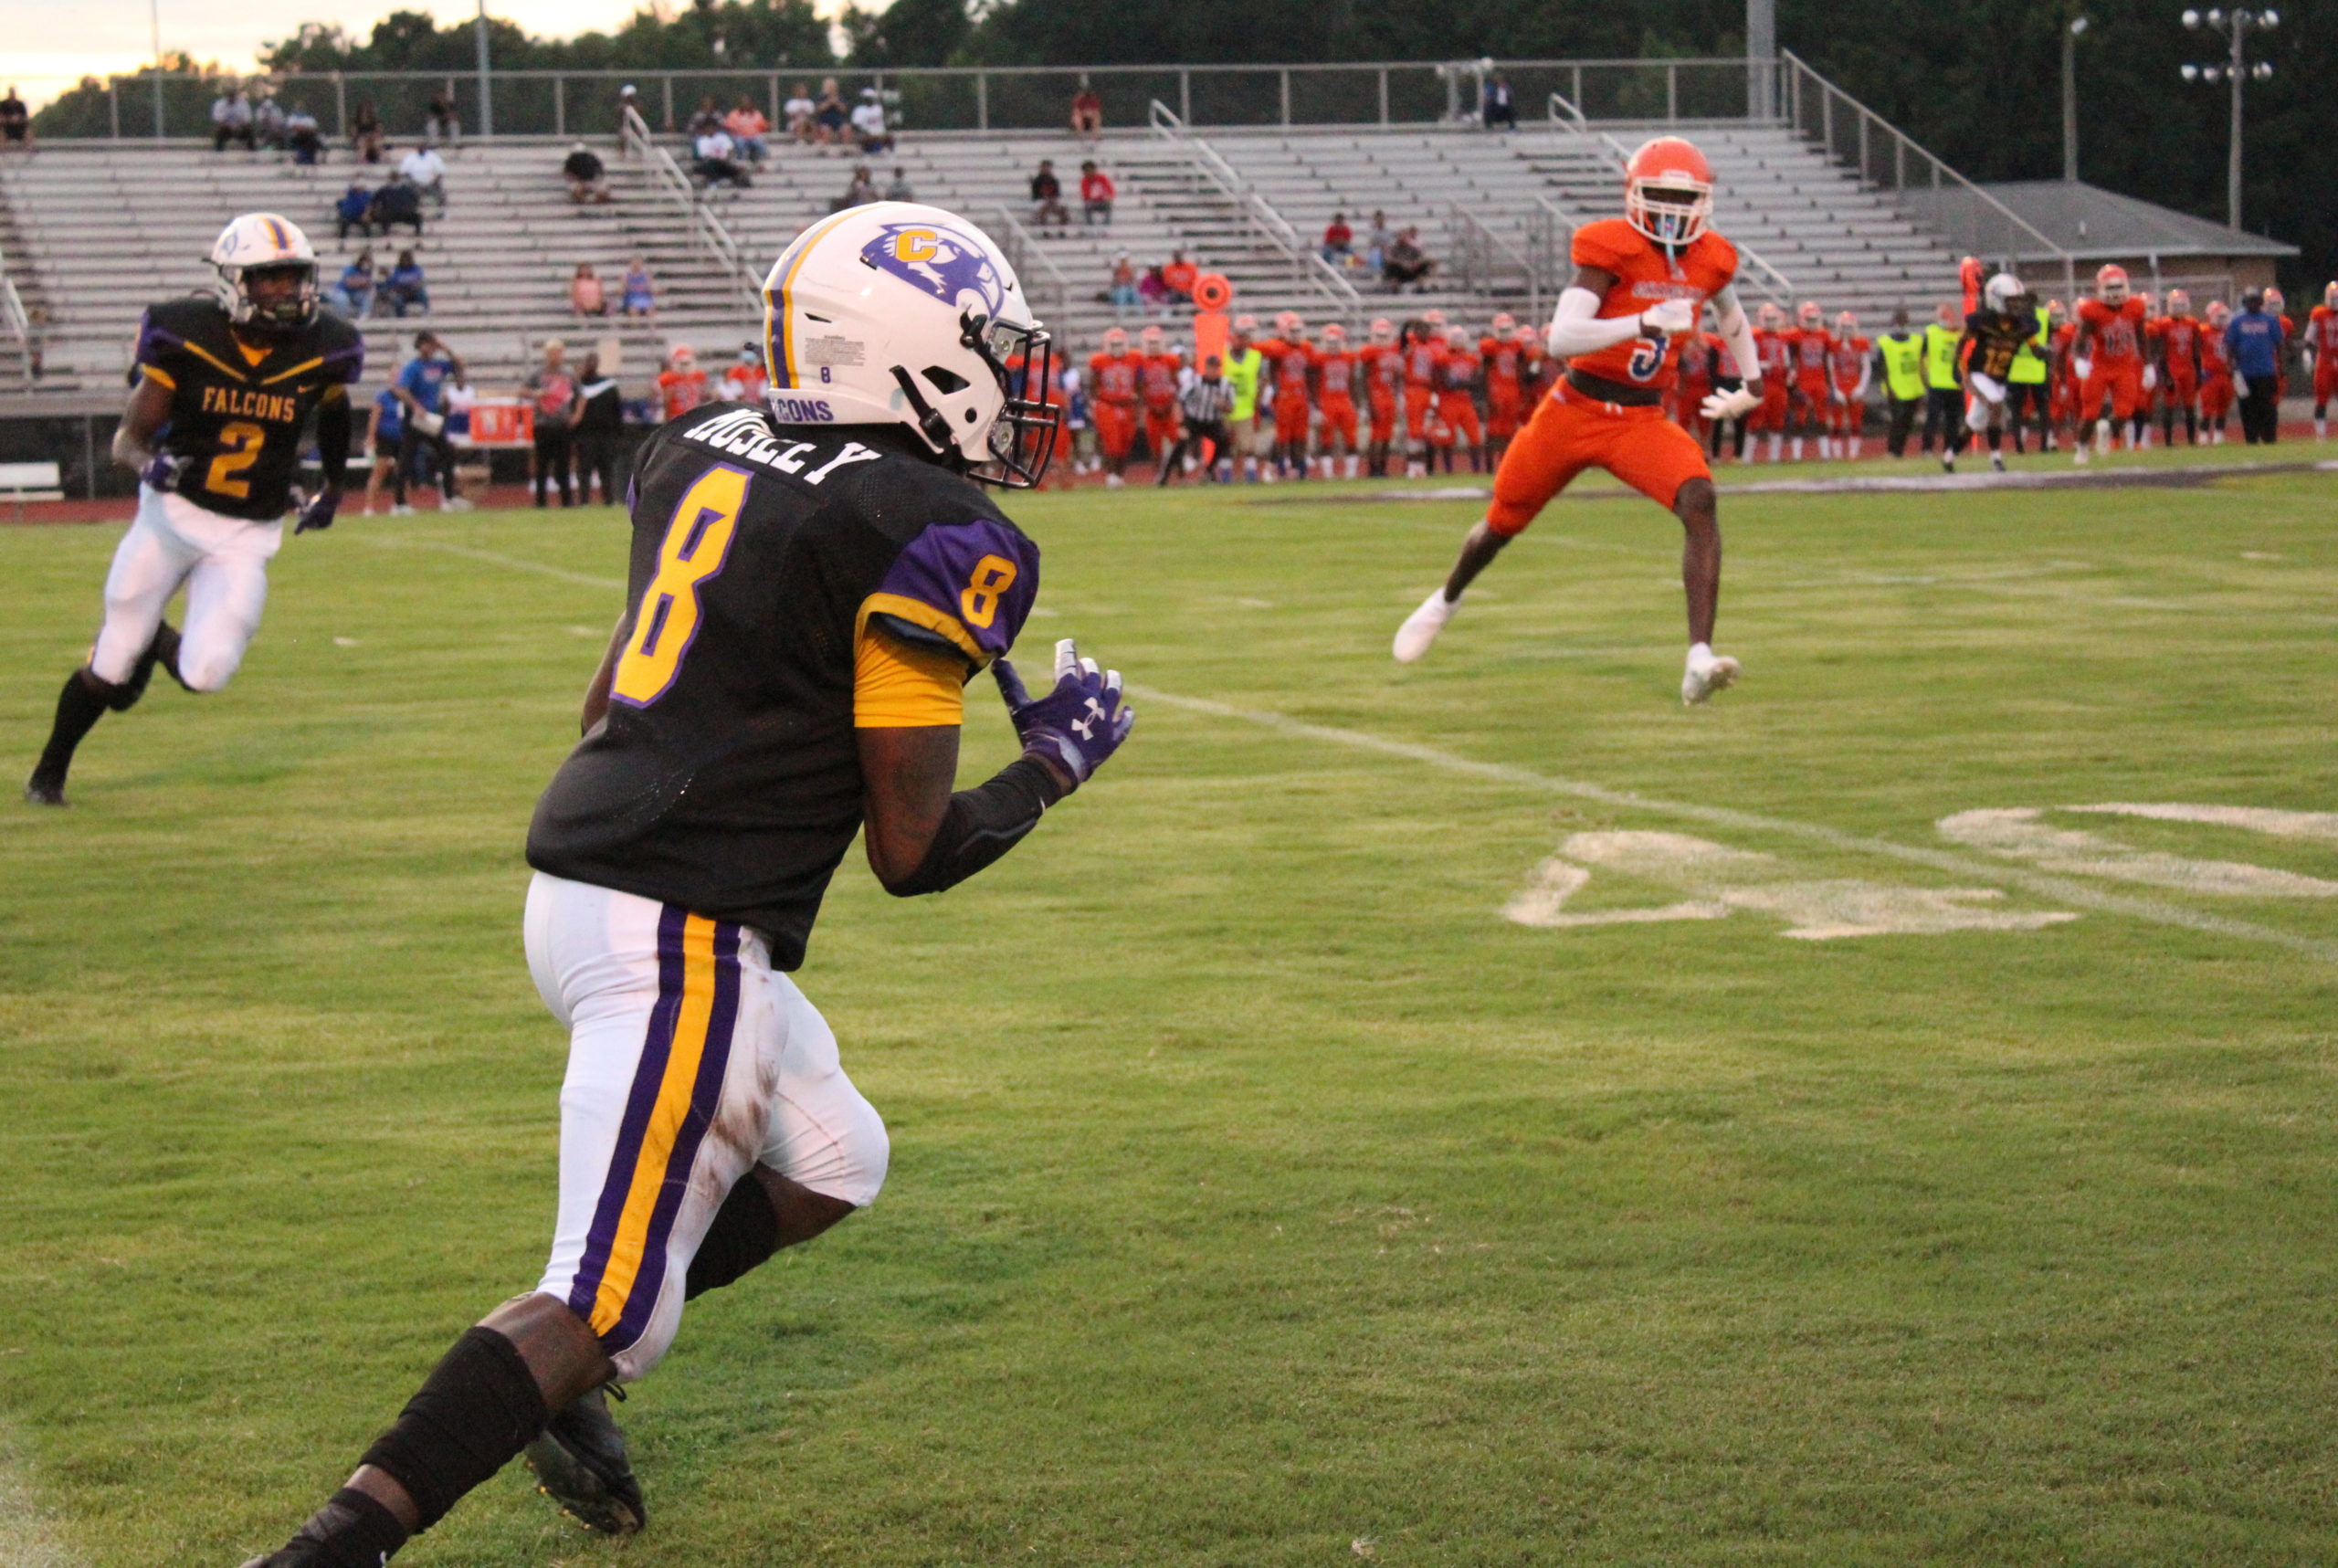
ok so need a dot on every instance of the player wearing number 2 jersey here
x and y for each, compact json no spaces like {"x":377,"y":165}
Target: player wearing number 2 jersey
{"x":1641,"y":283}
{"x":813,"y":580}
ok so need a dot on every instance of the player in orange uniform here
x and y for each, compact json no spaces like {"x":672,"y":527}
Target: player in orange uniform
{"x":2321,"y":354}
{"x":681,"y":385}
{"x":2179,"y":368}
{"x":1382,"y":363}
{"x":1158,"y":372}
{"x":1424,"y":348}
{"x":1458,"y":370}
{"x":1338,"y":368}
{"x":2216,"y":374}
{"x":2110,"y":355}
{"x":1693,"y":383}
{"x":1774,"y":368}
{"x":1289,"y":368}
{"x":1848,"y":363}
{"x":1814,"y":391}
{"x":1505,"y":362}
{"x":2275,"y":306}
{"x":1640,"y":282}
{"x":2061,"y":373}
{"x":1112,"y":397}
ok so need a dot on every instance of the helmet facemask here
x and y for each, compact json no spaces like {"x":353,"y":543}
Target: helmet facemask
{"x":295,"y":310}
{"x":1023,"y":437}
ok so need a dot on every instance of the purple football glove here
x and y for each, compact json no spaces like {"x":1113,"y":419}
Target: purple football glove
{"x":161,"y":473}
{"x":318,"y":513}
{"x":1078,"y":725}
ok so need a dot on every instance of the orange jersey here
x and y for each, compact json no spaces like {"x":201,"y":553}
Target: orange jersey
{"x":1457,"y":371}
{"x":2213,"y":362}
{"x":1506,"y":368}
{"x":1157,"y":378}
{"x":1337,"y":372}
{"x":1383,"y":368}
{"x":1848,"y":362}
{"x":2321,"y":334}
{"x":1773,"y":356}
{"x":1113,"y":378}
{"x":681,"y":391}
{"x":1421,"y":358}
{"x":2180,"y":339}
{"x":1646,"y":274}
{"x":1288,"y":366}
{"x":1811,"y":347}
{"x":2118,"y":334}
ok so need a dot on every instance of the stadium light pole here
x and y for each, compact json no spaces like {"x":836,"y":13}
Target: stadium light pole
{"x":486,"y":101}
{"x":2235,"y":27}
{"x":2076,"y":25}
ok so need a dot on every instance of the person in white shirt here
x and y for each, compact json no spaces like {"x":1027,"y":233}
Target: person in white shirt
{"x":797,"y":113}
{"x":717,"y":162}
{"x":869,"y":124}
{"x":427,"y":173}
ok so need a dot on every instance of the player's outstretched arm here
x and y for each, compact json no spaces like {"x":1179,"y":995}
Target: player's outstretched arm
{"x":334,"y":423}
{"x":922,"y":838}
{"x":133,"y":438}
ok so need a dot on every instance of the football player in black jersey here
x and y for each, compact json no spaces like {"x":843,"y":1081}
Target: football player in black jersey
{"x":815,"y":578}
{"x":225,"y":387}
{"x":1994,"y":336}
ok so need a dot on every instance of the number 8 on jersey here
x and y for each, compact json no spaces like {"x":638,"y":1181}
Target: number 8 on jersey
{"x":696,"y":541}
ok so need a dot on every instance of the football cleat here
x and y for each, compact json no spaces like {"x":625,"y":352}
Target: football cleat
{"x":1703,"y":677}
{"x":42,"y":791}
{"x":1420,"y":627}
{"x":580,"y":1463}
{"x":1997,"y":461}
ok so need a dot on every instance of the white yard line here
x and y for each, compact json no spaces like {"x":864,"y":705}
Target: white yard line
{"x":2062,"y":889}
{"x":27,"y":1538}
{"x":492,"y":559}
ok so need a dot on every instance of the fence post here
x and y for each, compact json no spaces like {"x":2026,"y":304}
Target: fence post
{"x":982,"y":101}
{"x":1185,"y":96}
{"x":1575,"y":98}
{"x":668,"y":84}
{"x":777,"y":120}
{"x":1285,"y":76}
{"x":560,"y":106}
{"x":1826,"y":121}
{"x":1672,"y":93}
{"x":113,"y":104}
{"x":340,"y":105}
{"x":158,"y":103}
{"x":1383,"y":95}
{"x":1863,"y":173}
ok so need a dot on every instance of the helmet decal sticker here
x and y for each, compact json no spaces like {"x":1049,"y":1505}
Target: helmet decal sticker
{"x":941,"y":261}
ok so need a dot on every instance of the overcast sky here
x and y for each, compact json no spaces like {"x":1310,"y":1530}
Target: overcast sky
{"x":52,"y":44}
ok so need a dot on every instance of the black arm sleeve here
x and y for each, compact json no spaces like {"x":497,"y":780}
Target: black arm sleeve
{"x":333,"y":440}
{"x":982,"y":825}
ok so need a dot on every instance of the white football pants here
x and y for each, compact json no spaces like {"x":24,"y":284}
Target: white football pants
{"x":223,"y":561}
{"x":1986,"y":404}
{"x":690,"y":1060}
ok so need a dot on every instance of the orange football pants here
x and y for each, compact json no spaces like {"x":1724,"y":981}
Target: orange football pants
{"x":1159,"y":429}
{"x":1339,"y":419}
{"x":1384,"y":417}
{"x":1570,"y":433}
{"x":1417,"y":400}
{"x":1455,"y":414}
{"x":1116,"y":428}
{"x":2124,"y":382}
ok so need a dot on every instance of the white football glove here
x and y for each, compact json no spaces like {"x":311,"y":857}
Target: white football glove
{"x":1671,"y":317}
{"x":2239,"y":384}
{"x":1720,"y":405}
{"x":2085,"y":367}
{"x":2151,"y":376}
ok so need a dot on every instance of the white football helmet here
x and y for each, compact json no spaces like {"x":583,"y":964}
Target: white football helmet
{"x":899,"y":313}
{"x":263,"y":242}
{"x":2002,"y":293}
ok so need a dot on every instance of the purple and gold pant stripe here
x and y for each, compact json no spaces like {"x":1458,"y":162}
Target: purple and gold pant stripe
{"x":676,"y":1091}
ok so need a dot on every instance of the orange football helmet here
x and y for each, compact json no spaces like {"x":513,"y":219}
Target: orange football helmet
{"x":1504,"y":323}
{"x":1668,"y":191}
{"x":1151,"y":338}
{"x":1810,"y":315}
{"x":1116,"y":339}
{"x":1335,"y":333}
{"x":1383,"y":331}
{"x":2111,"y":284}
{"x":2273,"y":302}
{"x":2179,"y":304}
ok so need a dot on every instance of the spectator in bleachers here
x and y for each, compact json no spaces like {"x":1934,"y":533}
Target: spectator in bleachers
{"x":1152,"y":291}
{"x":641,"y":294}
{"x":1179,"y":277}
{"x":628,"y":102}
{"x":829,"y":117}
{"x":869,"y":124}
{"x":551,"y":392}
{"x":440,"y":128}
{"x":231,"y":120}
{"x":859,"y":193}
{"x":706,"y":117}
{"x":427,"y":173}
{"x":303,"y":136}
{"x":587,"y":177}
{"x":353,"y":293}
{"x":717,"y":165}
{"x":1498,"y":106}
{"x":898,"y":188}
{"x":1046,"y":197}
{"x":1097,"y":194}
{"x":747,"y":125}
{"x":745,"y":380}
{"x":365,"y":131}
{"x":1339,"y":240}
{"x":405,"y":288}
{"x":1122,"y":293}
{"x":15,"y":123}
{"x":600,"y":416}
{"x":1407,"y":265}
{"x":587,"y":296}
{"x":355,"y":209}
{"x":397,"y":202}
{"x":1087,"y":110}
{"x":1377,"y":243}
{"x":797,"y":112}
{"x":267,"y":121}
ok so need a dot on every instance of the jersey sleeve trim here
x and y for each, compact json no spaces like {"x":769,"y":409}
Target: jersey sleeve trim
{"x":156,"y":373}
{"x":918,"y":613}
{"x":897,"y":685}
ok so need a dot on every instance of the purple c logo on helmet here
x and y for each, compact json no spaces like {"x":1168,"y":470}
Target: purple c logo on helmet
{"x":940,"y":260}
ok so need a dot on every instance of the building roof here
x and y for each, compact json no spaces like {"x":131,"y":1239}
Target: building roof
{"x":2093,"y":224}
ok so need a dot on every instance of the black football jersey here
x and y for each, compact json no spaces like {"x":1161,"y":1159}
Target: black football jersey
{"x":1997,"y":339}
{"x":726,"y":777}
{"x":240,"y":398}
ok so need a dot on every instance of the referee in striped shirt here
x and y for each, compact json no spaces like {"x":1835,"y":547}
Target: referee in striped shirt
{"x":1206,"y":400}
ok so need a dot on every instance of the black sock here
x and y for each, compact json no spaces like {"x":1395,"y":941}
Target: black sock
{"x":77,"y":710}
{"x":478,"y":1408}
{"x":352,"y":1531}
{"x":744,"y":1235}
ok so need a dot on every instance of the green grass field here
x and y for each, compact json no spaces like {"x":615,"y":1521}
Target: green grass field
{"x":1261,"y":1195}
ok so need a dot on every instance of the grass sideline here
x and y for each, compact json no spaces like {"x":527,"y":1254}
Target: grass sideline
{"x":1260,"y":1195}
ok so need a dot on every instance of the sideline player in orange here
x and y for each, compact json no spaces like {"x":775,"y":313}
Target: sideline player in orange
{"x":2179,"y":368}
{"x":1640,"y":282}
{"x":1850,"y":361}
{"x":1337,"y":370}
{"x":1772,"y":365}
{"x":2321,"y":354}
{"x":1814,"y":391}
{"x":2109,"y":352}
{"x":1161,"y":367}
{"x":681,"y":385}
{"x":1290,"y":362}
{"x":1382,"y":363}
{"x":1456,"y":424}
{"x":1423,"y":342}
{"x":2216,"y":374}
{"x":1505,"y":362}
{"x":1112,"y":395}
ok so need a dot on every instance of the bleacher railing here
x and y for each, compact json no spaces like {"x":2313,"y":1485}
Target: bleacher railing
{"x":705,"y":226}
{"x":16,"y":318}
{"x":1307,"y":265}
{"x":1486,"y":263}
{"x":1043,"y":281}
{"x":566,"y":103}
{"x":1887,"y":159}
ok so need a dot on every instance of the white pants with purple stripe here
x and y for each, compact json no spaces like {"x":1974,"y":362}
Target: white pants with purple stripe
{"x":223,"y":561}
{"x":690,"y":1060}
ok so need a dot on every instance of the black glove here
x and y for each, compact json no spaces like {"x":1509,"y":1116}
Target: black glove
{"x":318,"y":513}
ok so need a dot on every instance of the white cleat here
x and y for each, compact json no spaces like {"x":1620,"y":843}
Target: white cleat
{"x":2079,"y":456}
{"x":1997,"y":461}
{"x":1420,"y":627}
{"x":1706,"y":675}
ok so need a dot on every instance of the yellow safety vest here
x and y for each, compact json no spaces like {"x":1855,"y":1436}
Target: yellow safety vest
{"x":1939,"y":356}
{"x":2029,"y":367}
{"x":1241,"y":372}
{"x":1903,"y":365}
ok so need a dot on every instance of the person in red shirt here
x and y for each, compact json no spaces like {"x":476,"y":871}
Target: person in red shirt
{"x":1424,"y":351}
{"x":681,"y":385}
{"x":1159,"y":369}
{"x":1337,"y":370}
{"x":2110,"y":354}
{"x":1848,"y":362}
{"x":1640,"y":283}
{"x":1814,"y":392}
{"x":2179,"y":368}
{"x":1382,"y":363}
{"x":2321,"y":354}
{"x":1505,"y":359}
{"x":1774,"y":368}
{"x":1113,"y":394}
{"x":1179,"y":276}
{"x":1695,"y":383}
{"x":2216,"y":374}
{"x":1458,"y":370}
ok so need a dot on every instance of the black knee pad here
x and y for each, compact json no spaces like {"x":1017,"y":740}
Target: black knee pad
{"x":744,"y":1235}
{"x":479,"y":1407}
